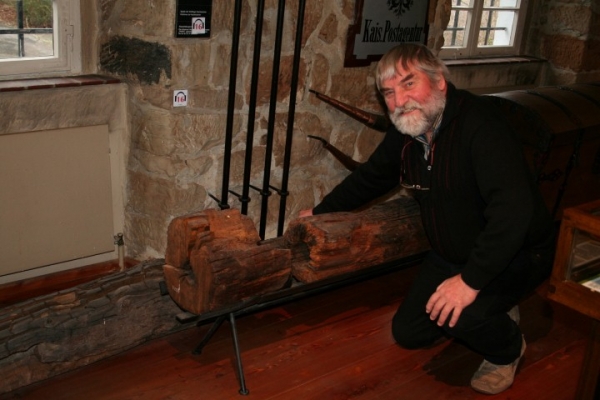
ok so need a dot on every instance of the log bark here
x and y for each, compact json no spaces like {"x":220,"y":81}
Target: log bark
{"x":332,"y":244}
{"x":215,"y":259}
{"x":241,"y":274}
{"x":190,"y":231}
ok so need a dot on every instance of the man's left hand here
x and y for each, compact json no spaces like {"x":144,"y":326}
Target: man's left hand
{"x":305,"y":213}
{"x":450,"y":298}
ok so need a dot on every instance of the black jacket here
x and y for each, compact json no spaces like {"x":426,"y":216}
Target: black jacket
{"x":482,"y":207}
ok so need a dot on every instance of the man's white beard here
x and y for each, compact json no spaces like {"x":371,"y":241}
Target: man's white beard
{"x":415,"y":124}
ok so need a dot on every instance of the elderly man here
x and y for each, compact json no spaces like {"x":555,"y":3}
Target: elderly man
{"x":491,"y":235}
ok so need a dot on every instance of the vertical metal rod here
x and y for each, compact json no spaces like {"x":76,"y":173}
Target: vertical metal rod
{"x":455,"y":25}
{"x":238,"y":355}
{"x":271,"y":123}
{"x":21,"y":37}
{"x":252,"y":107}
{"x":291,"y":115}
{"x":488,"y":26}
{"x":235,"y":42}
{"x":213,"y":329}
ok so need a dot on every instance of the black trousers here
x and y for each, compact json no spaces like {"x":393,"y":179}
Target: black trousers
{"x":484,"y":325}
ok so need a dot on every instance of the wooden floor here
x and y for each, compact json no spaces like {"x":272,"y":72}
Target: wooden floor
{"x":334,"y":345}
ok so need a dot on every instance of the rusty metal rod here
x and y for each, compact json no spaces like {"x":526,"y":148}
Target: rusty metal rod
{"x":291,"y":115}
{"x":238,"y":355}
{"x":375,"y":121}
{"x":235,"y":41}
{"x":345,"y":159}
{"x":265,"y":192}
{"x":245,"y":199}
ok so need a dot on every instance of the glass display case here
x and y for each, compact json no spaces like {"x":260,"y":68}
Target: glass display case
{"x":575,"y":282}
{"x":584,"y":263}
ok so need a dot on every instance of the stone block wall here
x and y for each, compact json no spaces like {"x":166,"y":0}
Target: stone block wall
{"x":176,"y":154}
{"x":568,"y":36}
{"x":173,"y":156}
{"x":176,"y":157}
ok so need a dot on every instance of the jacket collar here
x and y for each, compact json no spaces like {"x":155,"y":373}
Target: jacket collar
{"x":452,"y":107}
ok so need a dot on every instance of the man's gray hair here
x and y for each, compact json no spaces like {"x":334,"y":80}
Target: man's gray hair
{"x":414,"y":55}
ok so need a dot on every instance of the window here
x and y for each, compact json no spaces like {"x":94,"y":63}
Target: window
{"x":484,"y":28}
{"x":39,"y":37}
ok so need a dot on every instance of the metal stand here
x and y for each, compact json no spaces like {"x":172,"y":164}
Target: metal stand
{"x":286,"y":295}
{"x":236,"y":347}
{"x":265,"y":190}
{"x":209,"y":335}
{"x":238,"y":357}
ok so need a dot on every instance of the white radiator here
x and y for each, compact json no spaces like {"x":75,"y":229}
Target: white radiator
{"x":55,"y":198}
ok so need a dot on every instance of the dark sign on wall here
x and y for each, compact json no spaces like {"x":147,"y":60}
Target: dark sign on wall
{"x":193,"y":18}
{"x":380,"y":25}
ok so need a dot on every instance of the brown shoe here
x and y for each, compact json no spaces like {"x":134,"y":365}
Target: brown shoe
{"x":493,"y":379}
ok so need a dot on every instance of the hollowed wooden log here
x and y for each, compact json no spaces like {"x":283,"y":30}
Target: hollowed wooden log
{"x":337,"y":243}
{"x":190,"y":231}
{"x":214,"y":259}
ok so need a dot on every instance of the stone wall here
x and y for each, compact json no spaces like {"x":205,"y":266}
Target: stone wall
{"x":567,"y":34}
{"x":177,"y":153}
{"x":59,"y":332}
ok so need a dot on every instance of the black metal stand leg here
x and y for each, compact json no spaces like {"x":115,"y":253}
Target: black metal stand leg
{"x":209,"y":334}
{"x":238,"y":356}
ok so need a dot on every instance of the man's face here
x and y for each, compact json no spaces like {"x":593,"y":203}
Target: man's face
{"x":413,"y":100}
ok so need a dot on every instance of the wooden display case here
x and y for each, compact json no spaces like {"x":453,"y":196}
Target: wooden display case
{"x":575,"y":281}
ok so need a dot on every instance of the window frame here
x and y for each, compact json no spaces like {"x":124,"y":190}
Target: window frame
{"x":67,"y":48}
{"x":471,"y":49}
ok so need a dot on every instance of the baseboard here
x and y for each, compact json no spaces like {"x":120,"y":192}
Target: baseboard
{"x":18,"y":291}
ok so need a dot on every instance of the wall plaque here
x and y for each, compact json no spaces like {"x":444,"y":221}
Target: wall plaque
{"x":193,"y":18}
{"x":380,"y":25}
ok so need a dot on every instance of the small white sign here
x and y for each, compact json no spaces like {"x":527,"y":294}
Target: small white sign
{"x":198,"y":26}
{"x":180,"y":98}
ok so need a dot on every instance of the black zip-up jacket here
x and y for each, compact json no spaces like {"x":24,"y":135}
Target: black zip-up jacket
{"x":482,"y":206}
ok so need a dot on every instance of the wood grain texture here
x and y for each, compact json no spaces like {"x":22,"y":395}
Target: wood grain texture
{"x":333,"y":244}
{"x":334,"y":345}
{"x":215,"y":258}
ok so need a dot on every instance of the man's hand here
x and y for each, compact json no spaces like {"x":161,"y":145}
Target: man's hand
{"x":451,"y":297}
{"x":305,"y":213}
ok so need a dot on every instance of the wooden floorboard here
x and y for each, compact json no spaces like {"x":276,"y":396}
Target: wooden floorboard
{"x":334,"y":345}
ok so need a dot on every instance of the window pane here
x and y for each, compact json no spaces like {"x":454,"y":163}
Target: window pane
{"x":454,"y":35}
{"x":499,"y":3}
{"x":26,"y":28}
{"x":496,"y":28}
{"x":480,"y":28}
{"x":462,"y":3}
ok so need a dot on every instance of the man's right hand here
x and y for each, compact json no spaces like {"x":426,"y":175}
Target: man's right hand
{"x":305,"y":213}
